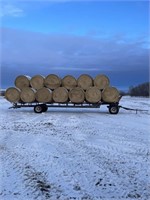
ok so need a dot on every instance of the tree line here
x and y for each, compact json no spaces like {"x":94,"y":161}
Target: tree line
{"x":139,"y":90}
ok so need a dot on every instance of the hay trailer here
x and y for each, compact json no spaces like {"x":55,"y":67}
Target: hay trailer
{"x":113,"y":108}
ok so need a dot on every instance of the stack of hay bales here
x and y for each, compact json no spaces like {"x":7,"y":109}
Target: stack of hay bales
{"x":53,"y":89}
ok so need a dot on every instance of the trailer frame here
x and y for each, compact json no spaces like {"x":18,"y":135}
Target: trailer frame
{"x":113,"y":108}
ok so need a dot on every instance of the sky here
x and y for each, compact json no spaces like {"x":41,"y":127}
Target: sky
{"x":75,"y":37}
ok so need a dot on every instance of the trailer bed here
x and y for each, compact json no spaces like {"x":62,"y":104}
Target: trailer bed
{"x":43,"y":107}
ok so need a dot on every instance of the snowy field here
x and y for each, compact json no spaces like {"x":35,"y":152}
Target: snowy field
{"x":73,"y":154}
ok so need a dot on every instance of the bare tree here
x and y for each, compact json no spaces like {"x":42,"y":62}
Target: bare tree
{"x":140,"y":90}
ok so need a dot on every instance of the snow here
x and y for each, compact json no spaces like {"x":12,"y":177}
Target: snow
{"x":71,"y":153}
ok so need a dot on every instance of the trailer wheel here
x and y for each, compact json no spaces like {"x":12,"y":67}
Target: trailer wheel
{"x":45,"y":108}
{"x":113,"y":109}
{"x":38,"y":109}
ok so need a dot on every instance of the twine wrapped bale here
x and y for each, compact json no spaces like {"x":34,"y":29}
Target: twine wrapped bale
{"x":85,"y":81}
{"x":12,"y":94}
{"x":76,"y":95}
{"x":52,"y":81}
{"x":93,"y":95}
{"x":101,"y":81}
{"x":44,"y":95}
{"x":37,"y":82}
{"x":22,"y":81}
{"x":28,"y":95}
{"x":60,"y":95}
{"x":69,"y":82}
{"x":110,"y":95}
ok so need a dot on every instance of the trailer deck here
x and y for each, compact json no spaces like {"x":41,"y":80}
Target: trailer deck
{"x":43,"y":107}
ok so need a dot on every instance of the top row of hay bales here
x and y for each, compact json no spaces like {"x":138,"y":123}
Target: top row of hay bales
{"x":52,"y":82}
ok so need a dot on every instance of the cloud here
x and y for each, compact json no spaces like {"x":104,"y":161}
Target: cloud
{"x":10,"y":10}
{"x":73,"y":51}
{"x":31,"y":53}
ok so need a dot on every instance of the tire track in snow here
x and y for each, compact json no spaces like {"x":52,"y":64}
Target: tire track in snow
{"x":13,"y":174}
{"x":110,"y":159}
{"x":123,"y":180}
{"x":27,"y":181}
{"x":95,"y":166}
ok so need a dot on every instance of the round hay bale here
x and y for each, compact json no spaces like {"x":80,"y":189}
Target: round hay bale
{"x":85,"y":81}
{"x":76,"y":95}
{"x":37,"y":82}
{"x":101,"y":81}
{"x":110,"y":95}
{"x":22,"y":81}
{"x":27,"y":95}
{"x":69,"y":82}
{"x":93,"y":95}
{"x":12,"y":94}
{"x":60,"y":95}
{"x":52,"y":81}
{"x":43,"y":95}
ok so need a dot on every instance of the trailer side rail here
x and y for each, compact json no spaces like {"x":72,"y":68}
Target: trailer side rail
{"x":43,"y":107}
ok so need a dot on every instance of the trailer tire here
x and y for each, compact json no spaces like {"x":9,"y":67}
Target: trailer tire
{"x":38,"y":109}
{"x":45,"y":107}
{"x":113,"y":109}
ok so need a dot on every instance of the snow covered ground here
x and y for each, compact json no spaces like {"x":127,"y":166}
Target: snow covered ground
{"x":71,"y":154}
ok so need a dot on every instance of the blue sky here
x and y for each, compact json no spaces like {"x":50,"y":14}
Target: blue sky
{"x":80,"y":18}
{"x":76,"y":37}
